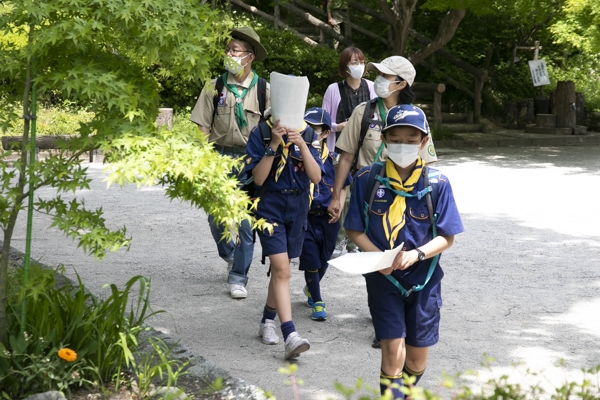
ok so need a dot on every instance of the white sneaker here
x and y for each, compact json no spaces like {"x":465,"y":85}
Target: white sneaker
{"x":355,"y":250}
{"x":238,"y":291}
{"x":294,"y":345}
{"x":339,"y":248}
{"x":267,"y":332}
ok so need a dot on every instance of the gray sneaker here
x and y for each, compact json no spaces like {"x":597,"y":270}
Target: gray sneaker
{"x":294,"y":345}
{"x":267,"y":332}
{"x":339,"y":248}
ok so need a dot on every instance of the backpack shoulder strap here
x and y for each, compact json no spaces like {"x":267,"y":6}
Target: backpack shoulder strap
{"x":372,"y":187}
{"x":265,"y":133}
{"x":364,"y":126}
{"x":344,"y":102}
{"x":431,"y":178}
{"x":262,"y":97}
{"x":218,"y":89}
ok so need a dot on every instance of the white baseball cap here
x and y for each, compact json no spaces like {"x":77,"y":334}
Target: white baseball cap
{"x":395,"y":65}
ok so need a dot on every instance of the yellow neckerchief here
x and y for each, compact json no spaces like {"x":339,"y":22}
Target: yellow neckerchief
{"x":285,"y":151}
{"x":324,"y":155}
{"x":394,"y":218}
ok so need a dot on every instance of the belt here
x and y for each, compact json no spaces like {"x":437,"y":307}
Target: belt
{"x":285,"y":191}
{"x":232,"y":150}
{"x":318,"y":213}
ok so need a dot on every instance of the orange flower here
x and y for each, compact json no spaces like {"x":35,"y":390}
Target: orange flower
{"x":67,"y":354}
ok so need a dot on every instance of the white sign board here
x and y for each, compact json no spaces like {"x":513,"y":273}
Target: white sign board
{"x":539,"y":72}
{"x":288,"y":99}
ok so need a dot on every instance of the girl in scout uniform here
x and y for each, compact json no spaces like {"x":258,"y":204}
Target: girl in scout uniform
{"x":406,"y":322}
{"x":282,"y":173}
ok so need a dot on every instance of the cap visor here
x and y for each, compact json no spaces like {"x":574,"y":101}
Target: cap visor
{"x":380,"y":67}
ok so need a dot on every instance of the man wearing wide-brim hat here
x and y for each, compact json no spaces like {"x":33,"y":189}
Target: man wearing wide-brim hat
{"x":226,"y":111}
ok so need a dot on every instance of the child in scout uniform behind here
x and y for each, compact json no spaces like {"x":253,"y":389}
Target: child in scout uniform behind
{"x":404,"y":299}
{"x":321,"y":234}
{"x":282,"y":172}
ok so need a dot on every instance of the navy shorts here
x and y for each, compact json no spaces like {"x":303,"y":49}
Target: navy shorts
{"x":415,"y":318}
{"x":288,"y":211}
{"x":319,"y":242}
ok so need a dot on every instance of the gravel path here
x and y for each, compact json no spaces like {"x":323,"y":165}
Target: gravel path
{"x":522,"y":283}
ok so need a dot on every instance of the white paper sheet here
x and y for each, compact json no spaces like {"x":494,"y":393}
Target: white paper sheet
{"x":288,"y":99}
{"x":363,"y":263}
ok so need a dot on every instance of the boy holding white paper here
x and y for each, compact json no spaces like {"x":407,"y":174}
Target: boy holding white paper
{"x":404,"y":299}
{"x":283,"y":168}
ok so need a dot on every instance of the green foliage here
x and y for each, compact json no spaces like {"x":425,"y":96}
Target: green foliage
{"x":100,"y":53}
{"x":584,"y":70}
{"x":183,"y":162}
{"x":38,"y":372}
{"x":580,"y":25}
{"x":101,"y":331}
{"x":290,"y":55}
{"x":153,"y":365}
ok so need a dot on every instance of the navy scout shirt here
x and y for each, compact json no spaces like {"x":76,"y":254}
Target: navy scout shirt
{"x":416,"y":231}
{"x":323,"y":193}
{"x":293,"y":175}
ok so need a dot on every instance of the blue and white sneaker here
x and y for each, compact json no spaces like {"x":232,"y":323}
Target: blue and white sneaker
{"x":318,"y":311}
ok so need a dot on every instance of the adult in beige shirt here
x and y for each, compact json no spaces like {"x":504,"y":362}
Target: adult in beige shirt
{"x":228,"y":127}
{"x":395,"y":76}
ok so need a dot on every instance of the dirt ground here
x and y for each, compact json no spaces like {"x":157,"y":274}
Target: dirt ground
{"x":522,"y":283}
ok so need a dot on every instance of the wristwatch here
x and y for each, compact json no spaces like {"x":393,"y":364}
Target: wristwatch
{"x":421,"y":255}
{"x":270,"y":152}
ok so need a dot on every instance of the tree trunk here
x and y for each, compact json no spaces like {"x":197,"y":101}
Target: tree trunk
{"x":564,"y":104}
{"x":580,"y":109}
{"x":400,"y":17}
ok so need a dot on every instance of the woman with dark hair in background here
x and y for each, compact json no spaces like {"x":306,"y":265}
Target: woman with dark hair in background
{"x":341,"y":98}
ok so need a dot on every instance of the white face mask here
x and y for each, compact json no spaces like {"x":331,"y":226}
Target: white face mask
{"x":234,"y":64}
{"x":382,"y":87}
{"x":356,"y":71}
{"x":403,"y":154}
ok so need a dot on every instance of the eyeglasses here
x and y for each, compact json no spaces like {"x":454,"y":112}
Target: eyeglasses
{"x":394,"y":78}
{"x":356,"y":63}
{"x":236,"y":52}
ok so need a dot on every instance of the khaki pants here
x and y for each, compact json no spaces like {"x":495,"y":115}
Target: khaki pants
{"x":342,"y":233}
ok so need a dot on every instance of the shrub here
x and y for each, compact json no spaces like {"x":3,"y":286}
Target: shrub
{"x":101,"y":332}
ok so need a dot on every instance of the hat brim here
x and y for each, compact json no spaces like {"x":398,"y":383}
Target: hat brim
{"x":411,"y":125}
{"x":260,"y":53}
{"x":381,"y":68}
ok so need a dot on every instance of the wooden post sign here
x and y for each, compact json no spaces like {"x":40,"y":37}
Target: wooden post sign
{"x":539,"y":72}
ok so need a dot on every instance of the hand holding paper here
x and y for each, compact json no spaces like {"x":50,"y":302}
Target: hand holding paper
{"x":363,"y":263}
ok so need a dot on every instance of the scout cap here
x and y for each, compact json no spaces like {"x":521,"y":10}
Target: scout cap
{"x":407,"y":115}
{"x":247,"y":34}
{"x":318,"y":116}
{"x":395,"y":65}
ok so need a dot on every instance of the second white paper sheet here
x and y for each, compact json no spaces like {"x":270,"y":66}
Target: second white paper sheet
{"x":288,"y":99}
{"x":363,"y":263}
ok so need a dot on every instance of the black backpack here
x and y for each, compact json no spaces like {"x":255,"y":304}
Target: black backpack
{"x":364,"y":126}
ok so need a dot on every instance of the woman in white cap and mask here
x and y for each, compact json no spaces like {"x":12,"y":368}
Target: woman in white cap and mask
{"x":395,"y":76}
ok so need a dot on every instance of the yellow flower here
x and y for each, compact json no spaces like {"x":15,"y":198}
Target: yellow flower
{"x":67,"y":354}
